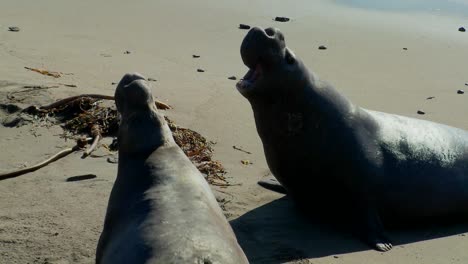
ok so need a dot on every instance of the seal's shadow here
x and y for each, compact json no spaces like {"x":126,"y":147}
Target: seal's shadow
{"x":276,"y":233}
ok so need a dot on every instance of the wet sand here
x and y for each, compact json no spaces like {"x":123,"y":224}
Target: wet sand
{"x":45,"y":219}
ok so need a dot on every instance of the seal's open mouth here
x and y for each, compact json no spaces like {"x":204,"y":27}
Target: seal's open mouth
{"x":250,"y":78}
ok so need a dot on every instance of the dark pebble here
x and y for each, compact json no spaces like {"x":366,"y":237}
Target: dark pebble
{"x":232,"y":78}
{"x":196,"y":56}
{"x":244,"y":26}
{"x":151,"y":80}
{"x":462,"y":29}
{"x":200,"y":70}
{"x":282,"y":19}
{"x":466,"y":84}
{"x":421,"y":112}
{"x":127,"y":52}
{"x":322,"y":47}
{"x":405,"y":48}
{"x":14,"y":29}
{"x":430,"y":97}
{"x":114,"y":83}
{"x":460,"y":92}
{"x":336,"y":257}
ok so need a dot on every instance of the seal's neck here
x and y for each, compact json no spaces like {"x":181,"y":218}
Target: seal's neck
{"x":313,"y":108}
{"x":140,"y":135}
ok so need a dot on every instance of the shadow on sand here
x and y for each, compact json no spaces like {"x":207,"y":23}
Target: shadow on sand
{"x":276,"y":233}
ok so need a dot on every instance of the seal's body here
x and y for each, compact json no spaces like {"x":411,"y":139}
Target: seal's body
{"x":332,"y":156}
{"x":161,"y":209}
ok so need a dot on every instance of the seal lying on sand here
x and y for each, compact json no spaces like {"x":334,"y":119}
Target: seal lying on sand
{"x":161,"y":209}
{"x":366,"y":167}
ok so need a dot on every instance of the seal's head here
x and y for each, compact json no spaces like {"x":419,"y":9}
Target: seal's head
{"x":273,"y":68}
{"x":142,"y":128}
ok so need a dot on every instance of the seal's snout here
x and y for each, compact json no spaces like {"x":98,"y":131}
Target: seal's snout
{"x":133,"y":93}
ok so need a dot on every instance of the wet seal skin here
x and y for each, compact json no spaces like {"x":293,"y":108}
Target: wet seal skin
{"x":345,"y":163}
{"x":161,"y":209}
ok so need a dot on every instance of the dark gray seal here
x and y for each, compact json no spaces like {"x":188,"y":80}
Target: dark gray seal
{"x":161,"y":209}
{"x":367,"y":168}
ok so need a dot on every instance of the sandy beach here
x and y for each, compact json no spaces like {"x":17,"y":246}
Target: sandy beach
{"x":382,"y":59}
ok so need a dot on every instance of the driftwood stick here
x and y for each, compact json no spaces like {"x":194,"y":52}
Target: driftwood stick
{"x":79,"y":144}
{"x":73,"y":98}
{"x":159,"y":104}
{"x":96,"y":133}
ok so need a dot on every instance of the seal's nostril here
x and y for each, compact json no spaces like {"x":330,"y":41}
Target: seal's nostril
{"x":270,"y":32}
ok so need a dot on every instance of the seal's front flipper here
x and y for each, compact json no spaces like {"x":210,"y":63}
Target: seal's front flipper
{"x":372,"y":232}
{"x":272,"y":184}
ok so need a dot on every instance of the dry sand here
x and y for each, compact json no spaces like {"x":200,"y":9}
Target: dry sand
{"x":45,"y":219}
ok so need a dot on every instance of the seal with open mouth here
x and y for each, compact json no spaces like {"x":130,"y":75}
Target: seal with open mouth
{"x":367,"y":168}
{"x":161,"y":209}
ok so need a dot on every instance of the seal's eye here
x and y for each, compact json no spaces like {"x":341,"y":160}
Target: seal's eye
{"x":290,"y":58}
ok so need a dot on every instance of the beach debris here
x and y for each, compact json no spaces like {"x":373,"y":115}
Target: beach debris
{"x":127,"y":52}
{"x":239,"y":149}
{"x":152,"y":80}
{"x":246,"y":162}
{"x":282,"y":19}
{"x":76,"y":98}
{"x":200,"y":152}
{"x":460,"y":92}
{"x":461,"y":29}
{"x":45,"y":72}
{"x":113,"y":160}
{"x":96,"y":134}
{"x":244,"y":26}
{"x":14,"y":29}
{"x":28,"y":88}
{"x":196,"y":56}
{"x":68,"y":85}
{"x":83,"y":115}
{"x":81,"y":178}
{"x":421,"y":112}
{"x":232,"y":78}
{"x":430,"y":98}
{"x":80,"y":143}
{"x":200,"y":70}
{"x":322,"y":47}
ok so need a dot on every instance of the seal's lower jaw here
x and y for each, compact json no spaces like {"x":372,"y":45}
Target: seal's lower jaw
{"x":248,"y":83}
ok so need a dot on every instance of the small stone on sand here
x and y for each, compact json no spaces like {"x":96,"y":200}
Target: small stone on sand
{"x":421,"y":112}
{"x":200,"y":70}
{"x":244,"y":26}
{"x":462,"y":29}
{"x":460,"y":92}
{"x":127,"y":52}
{"x":152,"y":80}
{"x":322,"y":47}
{"x":430,"y":97}
{"x":14,"y":29}
{"x":232,"y":78}
{"x":405,"y":48}
{"x":196,"y":56}
{"x":282,"y":19}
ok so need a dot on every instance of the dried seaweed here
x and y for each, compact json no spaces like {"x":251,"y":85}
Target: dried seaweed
{"x":83,"y":115}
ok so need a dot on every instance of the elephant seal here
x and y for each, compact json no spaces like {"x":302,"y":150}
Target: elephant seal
{"x":161,"y":209}
{"x":369,"y":168}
